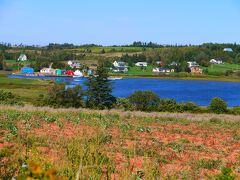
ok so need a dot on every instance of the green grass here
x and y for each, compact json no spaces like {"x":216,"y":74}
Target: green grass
{"x":222,"y":68}
{"x":15,"y":65}
{"x":139,"y":71}
{"x":27,"y":89}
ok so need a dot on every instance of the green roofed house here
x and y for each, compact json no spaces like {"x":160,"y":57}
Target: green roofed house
{"x":58,"y":72}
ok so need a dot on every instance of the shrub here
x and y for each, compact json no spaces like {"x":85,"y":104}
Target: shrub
{"x":218,"y":106}
{"x":58,"y":96}
{"x":190,"y":107}
{"x":9,"y":98}
{"x":235,"y":110}
{"x":144,"y":100}
{"x":123,"y":103}
{"x":169,"y":105}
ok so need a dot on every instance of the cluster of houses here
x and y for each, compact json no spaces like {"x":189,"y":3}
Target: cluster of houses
{"x":59,"y":72}
{"x":118,"y":66}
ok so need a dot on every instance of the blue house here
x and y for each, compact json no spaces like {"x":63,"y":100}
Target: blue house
{"x":27,"y":70}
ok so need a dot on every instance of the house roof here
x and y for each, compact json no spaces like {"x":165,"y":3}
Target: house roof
{"x":228,"y":49}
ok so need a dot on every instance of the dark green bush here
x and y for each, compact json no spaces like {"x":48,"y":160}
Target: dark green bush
{"x":190,"y":107}
{"x":58,"y":96}
{"x":123,"y":103}
{"x":169,"y":105}
{"x":218,"y":106}
{"x":144,"y":100}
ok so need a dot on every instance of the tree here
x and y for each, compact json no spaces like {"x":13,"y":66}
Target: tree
{"x":218,"y":106}
{"x":2,"y":64}
{"x":144,"y":100}
{"x":102,"y":51}
{"x":99,"y":90}
{"x":59,"y":96}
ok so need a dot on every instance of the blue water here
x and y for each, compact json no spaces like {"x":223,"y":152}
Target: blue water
{"x":200,"y":92}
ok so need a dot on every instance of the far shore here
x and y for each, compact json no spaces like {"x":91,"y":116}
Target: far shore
{"x":165,"y":76}
{"x":197,"y":78}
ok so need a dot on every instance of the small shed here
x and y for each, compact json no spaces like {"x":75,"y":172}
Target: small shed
{"x":27,"y":70}
{"x":58,"y":72}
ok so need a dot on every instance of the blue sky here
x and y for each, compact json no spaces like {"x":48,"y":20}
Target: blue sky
{"x":110,"y":22}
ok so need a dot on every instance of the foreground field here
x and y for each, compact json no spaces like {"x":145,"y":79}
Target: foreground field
{"x":118,"y":145}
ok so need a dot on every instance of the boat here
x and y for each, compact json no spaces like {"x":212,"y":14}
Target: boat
{"x":77,"y":76}
{"x":115,"y":78}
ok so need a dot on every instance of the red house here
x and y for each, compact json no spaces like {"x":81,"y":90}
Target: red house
{"x":70,"y":73}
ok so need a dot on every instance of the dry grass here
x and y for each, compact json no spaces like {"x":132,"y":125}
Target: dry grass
{"x":185,"y":115}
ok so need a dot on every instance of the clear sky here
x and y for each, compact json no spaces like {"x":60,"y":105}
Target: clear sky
{"x":110,"y":22}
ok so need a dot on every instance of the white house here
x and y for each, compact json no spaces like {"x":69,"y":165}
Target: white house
{"x":141,"y":64}
{"x":49,"y":71}
{"x":78,"y":73}
{"x":120,"y":69}
{"x":117,"y":64}
{"x":73,"y":64}
{"x":228,"y":50}
{"x":174,"y":63}
{"x":215,"y":61}
{"x":192,"y":63}
{"x":22,"y":57}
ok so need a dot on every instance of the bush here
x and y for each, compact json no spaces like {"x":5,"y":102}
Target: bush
{"x":9,"y":98}
{"x":123,"y":103}
{"x":190,"y":107}
{"x":144,"y":100}
{"x":218,"y":106}
{"x":235,"y":110}
{"x":169,"y":105}
{"x":58,"y":96}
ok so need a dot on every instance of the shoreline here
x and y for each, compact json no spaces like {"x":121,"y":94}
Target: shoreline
{"x":167,"y":77}
{"x":195,"y":78}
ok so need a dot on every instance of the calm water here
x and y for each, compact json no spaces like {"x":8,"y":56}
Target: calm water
{"x":200,"y":92}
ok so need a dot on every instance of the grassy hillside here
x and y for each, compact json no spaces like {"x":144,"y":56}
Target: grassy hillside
{"x":222,"y":68}
{"x":117,"y":145}
{"x":16,"y":65}
{"x":109,"y":49}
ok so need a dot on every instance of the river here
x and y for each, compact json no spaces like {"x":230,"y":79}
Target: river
{"x":200,"y":92}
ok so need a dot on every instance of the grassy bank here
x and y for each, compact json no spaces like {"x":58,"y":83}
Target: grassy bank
{"x":27,"y":89}
{"x":116,"y":145}
{"x":182,"y":76}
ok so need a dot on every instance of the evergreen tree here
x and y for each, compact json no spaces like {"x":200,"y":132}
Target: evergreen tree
{"x":2,"y":64}
{"x":99,"y":90}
